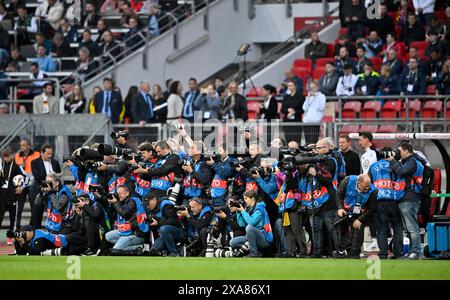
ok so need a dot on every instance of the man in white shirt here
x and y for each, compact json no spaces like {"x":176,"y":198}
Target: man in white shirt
{"x":424,"y":10}
{"x":314,"y":107}
{"x":346,"y":84}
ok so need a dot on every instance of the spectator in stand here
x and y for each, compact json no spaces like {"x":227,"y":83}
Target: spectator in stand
{"x":73,"y":13}
{"x":142,"y":106}
{"x":443,"y":80}
{"x":158,"y":22}
{"x":391,"y":43}
{"x":50,"y":12}
{"x":101,"y":29}
{"x":402,"y":14}
{"x":127,"y":13}
{"x":132,"y":40}
{"x":268,"y":109}
{"x":436,"y":26}
{"x":189,"y":99}
{"x":373,"y":45}
{"x":88,"y":43}
{"x":5,"y":44}
{"x":355,"y":19}
{"x":128,"y":103}
{"x":13,"y":7}
{"x":109,"y":102}
{"x":68,"y":32}
{"x":343,"y":42}
{"x":15,"y":60}
{"x":109,"y":45}
{"x":328,"y":82}
{"x":316,"y":49}
{"x":42,"y":41}
{"x":45,"y":62}
{"x":384,"y":25}
{"x":60,"y":47}
{"x":290,"y":76}
{"x":237,"y":102}
{"x":91,"y":105}
{"x":394,"y":63}
{"x":434,"y":66}
{"x":347,"y":82}
{"x":160,"y":104}
{"x":175,"y":102}
{"x":90,"y":17}
{"x":292,"y":106}
{"x":413,"y":79}
{"x":168,"y":83}
{"x":368,"y":82}
{"x":85,"y":65}
{"x":412,"y":32}
{"x":25,"y":26}
{"x":110,"y":7}
{"x":36,"y":73}
{"x":424,"y":10}
{"x":218,"y":82}
{"x":46,"y":103}
{"x":361,"y":60}
{"x":75,"y":102}
{"x":344,"y":59}
{"x":3,"y":109}
{"x":435,"y":44}
{"x":208,"y":104}
{"x":314,"y":107}
{"x":389,"y":83}
{"x":414,"y":52}
{"x":351,"y":158}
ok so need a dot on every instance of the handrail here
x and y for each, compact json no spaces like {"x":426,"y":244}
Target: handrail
{"x":92,"y":136}
{"x":9,"y":138}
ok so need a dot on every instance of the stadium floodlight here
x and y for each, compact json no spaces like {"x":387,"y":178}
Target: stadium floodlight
{"x":243,"y":50}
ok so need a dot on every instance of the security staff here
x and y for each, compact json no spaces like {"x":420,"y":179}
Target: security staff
{"x":356,"y":201}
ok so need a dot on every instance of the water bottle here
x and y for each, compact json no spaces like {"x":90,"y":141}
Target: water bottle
{"x":405,"y":244}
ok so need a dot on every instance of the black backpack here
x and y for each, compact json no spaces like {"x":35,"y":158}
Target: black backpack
{"x":427,"y":190}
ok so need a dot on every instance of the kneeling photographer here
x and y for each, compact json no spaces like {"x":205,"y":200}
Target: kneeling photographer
{"x":227,"y":224}
{"x":163,"y":218}
{"x":258,"y":230}
{"x":38,"y":242}
{"x":356,"y":202}
{"x":59,"y":203}
{"x":197,"y":221}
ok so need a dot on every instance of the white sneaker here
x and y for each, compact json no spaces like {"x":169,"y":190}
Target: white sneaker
{"x":373,"y":246}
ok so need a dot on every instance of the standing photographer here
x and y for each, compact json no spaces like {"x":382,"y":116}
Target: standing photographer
{"x":59,"y":203}
{"x":148,"y":159}
{"x":258,"y":230}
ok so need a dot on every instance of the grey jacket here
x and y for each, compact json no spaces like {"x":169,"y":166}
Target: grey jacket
{"x":328,"y":88}
{"x":207,"y":103}
{"x":38,"y":105}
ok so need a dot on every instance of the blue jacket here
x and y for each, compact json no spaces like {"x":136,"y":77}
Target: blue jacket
{"x":258,"y":218}
{"x":268,"y":185}
{"x":223,"y":171}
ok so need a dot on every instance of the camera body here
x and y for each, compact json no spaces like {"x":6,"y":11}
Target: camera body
{"x":46,"y":184}
{"x":95,"y":188}
{"x":237,"y":203}
{"x":245,"y":162}
{"x":123,"y":133}
{"x":185,"y":163}
{"x":134,"y":167}
{"x":111,"y":196}
{"x":386,"y":154}
{"x":15,"y":234}
{"x":180,"y":208}
{"x":214,"y":156}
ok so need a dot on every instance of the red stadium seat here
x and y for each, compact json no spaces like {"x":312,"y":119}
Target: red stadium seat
{"x":441,"y":16}
{"x":351,"y":110}
{"x":376,"y":62}
{"x":321,"y":62}
{"x":432,"y":109}
{"x":447,"y":110}
{"x":253,"y":110}
{"x":403,"y":49}
{"x":368,"y":128}
{"x":431,"y":89}
{"x":254,"y":93}
{"x":422,"y":45}
{"x":371,"y":110}
{"x":330,"y":48}
{"x":305,"y":64}
{"x":398,"y":31}
{"x":391,"y":110}
{"x":317,"y":73}
{"x":388,"y":129}
{"x":302,"y":73}
{"x":414,"y":109}
{"x":342,"y":31}
{"x":350,"y":129}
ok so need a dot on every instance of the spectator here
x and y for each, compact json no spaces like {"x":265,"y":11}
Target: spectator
{"x":292,"y":106}
{"x":361,"y":60}
{"x":347,"y":82}
{"x":68,"y":32}
{"x":168,"y":83}
{"x":110,"y":7}
{"x":101,"y":29}
{"x":414,"y":53}
{"x":75,"y":102}
{"x":424,"y":10}
{"x":160,"y":102}
{"x":394,"y":63}
{"x":42,"y":41}
{"x":132,"y":93}
{"x":45,"y":62}
{"x":268,"y":109}
{"x":373,"y":45}
{"x":90,"y":17}
{"x":60,"y":47}
{"x":36,"y":73}
{"x":413,"y":80}
{"x":314,"y":107}
{"x":435,"y":43}
{"x":88,"y":43}
{"x":73,"y":13}
{"x":384,"y":24}
{"x":316,"y":49}
{"x":109,"y":101}
{"x":329,"y":80}
{"x":443,"y":80}
{"x":3,"y":109}
{"x":46,"y":103}
{"x":389,"y":82}
{"x":351,"y":158}
{"x":127,"y":13}
{"x":189,"y":99}
{"x":132,"y":40}
{"x":50,"y":12}
{"x":174,"y":102}
{"x":368,"y":81}
{"x":436,"y":26}
{"x":290,"y":76}
{"x":109,"y":48}
{"x":25,"y":26}
{"x":237,"y":102}
{"x":13,"y":7}
{"x":343,"y":42}
{"x":208,"y":104}
{"x":16,"y":59}
{"x":91,"y":105}
{"x":355,"y":19}
{"x":158,"y":22}
{"x":391,"y":43}
{"x":86,"y":67}
{"x":434,"y":66}
{"x":218,"y":82}
{"x":403,"y":11}
{"x":343,"y":60}
{"x":412,"y":32}
{"x":142,"y":106}
{"x":5,"y":44}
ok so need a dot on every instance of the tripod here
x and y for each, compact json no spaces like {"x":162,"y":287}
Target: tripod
{"x":246,"y":76}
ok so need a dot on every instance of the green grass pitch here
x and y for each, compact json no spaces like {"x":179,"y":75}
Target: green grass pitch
{"x":28,"y":267}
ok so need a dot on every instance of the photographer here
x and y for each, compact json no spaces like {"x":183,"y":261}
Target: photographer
{"x":121,"y":139}
{"x":411,"y":169}
{"x":163,"y":216}
{"x":147,"y":160}
{"x":39,"y":242}
{"x":356,"y":201}
{"x":258,"y":230}
{"x":318,"y":194}
{"x":255,"y":152}
{"x":198,"y":173}
{"x":131,"y":221}
{"x":228,"y":220}
{"x":198,"y":218}
{"x":59,"y":203}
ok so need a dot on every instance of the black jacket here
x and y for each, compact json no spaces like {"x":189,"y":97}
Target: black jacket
{"x":115,"y":105}
{"x":169,"y":216}
{"x":271,"y":112}
{"x":140,"y":110}
{"x":10,"y":170}
{"x":409,"y":35}
{"x":295,"y":102}
{"x":38,"y":170}
{"x":352,"y":163}
{"x":406,"y":169}
{"x":240,"y":106}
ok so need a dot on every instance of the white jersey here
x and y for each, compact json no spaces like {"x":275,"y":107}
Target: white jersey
{"x":367,"y":159}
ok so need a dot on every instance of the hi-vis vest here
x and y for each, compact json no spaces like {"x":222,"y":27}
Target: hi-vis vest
{"x":313,"y":195}
{"x":58,"y":240}
{"x":124,"y":226}
{"x":353,"y":197}
{"x":162,"y":183}
{"x":192,"y":188}
{"x":336,"y":172}
{"x":116,"y":182}
{"x":417,"y":178}
{"x":388,"y":188}
{"x":285,"y":200}
{"x":160,"y":213}
{"x":82,"y":186}
{"x":54,"y":217}
{"x":192,"y":229}
{"x":267,"y":228}
{"x":251,"y":185}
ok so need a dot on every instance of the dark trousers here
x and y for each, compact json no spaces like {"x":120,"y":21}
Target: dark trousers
{"x":294,"y":233}
{"x":317,"y":221}
{"x":372,"y":226}
{"x":351,"y":238}
{"x":311,"y":134}
{"x":21,"y":199}
{"x":36,"y":216}
{"x":11,"y":207}
{"x":388,"y":214}
{"x":169,"y":235}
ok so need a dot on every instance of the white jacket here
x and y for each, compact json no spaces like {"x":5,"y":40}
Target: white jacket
{"x":55,"y":14}
{"x":314,"y":106}
{"x":346,"y":85}
{"x":427,"y":5}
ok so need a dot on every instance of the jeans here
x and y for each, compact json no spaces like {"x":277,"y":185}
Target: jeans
{"x":281,"y":235}
{"x":294,"y":233}
{"x":169,"y":235}
{"x":388,"y":214}
{"x":256,"y":240}
{"x":127,"y":243}
{"x":408,"y":212}
{"x":323,"y":218}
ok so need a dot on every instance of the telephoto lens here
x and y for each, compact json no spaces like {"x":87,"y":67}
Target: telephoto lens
{"x":209,"y":247}
{"x":243,"y":251}
{"x":223,"y":252}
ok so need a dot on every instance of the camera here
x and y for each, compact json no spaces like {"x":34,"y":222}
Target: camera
{"x":218,"y":209}
{"x":134,"y":167}
{"x":244,"y":129}
{"x":310,"y":160}
{"x":111,"y":196}
{"x":95,"y":188}
{"x":245,"y":162}
{"x":237,"y":203}
{"x":386,"y":154}
{"x":93,"y":166}
{"x":108,"y":150}
{"x":223,"y":252}
{"x":15,"y":234}
{"x":194,"y":245}
{"x":123,"y":133}
{"x":243,"y":251}
{"x":288,"y":151}
{"x":185,"y":163}
{"x":90,"y":155}
{"x":175,"y":190}
{"x":214,"y":156}
{"x":46,"y":184}
{"x":180,"y":208}
{"x":286,"y":165}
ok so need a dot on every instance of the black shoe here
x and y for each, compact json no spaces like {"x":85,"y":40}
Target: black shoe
{"x":154,"y":252}
{"x":255,"y":255}
{"x":281,"y":255}
{"x":90,"y":252}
